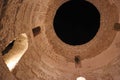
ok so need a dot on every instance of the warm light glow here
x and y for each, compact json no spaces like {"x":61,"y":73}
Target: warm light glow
{"x":80,"y":78}
{"x":19,"y":48}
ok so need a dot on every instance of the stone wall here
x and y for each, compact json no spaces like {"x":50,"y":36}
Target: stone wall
{"x":47,"y":57}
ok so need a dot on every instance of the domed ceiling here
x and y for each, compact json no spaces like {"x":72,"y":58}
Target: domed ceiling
{"x":60,"y":39}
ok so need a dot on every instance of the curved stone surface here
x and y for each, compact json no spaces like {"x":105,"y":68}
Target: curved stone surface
{"x":47,"y":57}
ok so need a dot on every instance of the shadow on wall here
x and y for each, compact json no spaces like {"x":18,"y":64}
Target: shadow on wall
{"x":15,"y":50}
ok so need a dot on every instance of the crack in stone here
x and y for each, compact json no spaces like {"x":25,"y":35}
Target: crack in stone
{"x":16,"y":14}
{"x":4,"y":7}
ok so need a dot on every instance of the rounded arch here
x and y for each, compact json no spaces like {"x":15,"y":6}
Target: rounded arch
{"x":18,"y":49}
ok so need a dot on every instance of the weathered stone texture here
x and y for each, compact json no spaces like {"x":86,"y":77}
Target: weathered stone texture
{"x":47,"y":57}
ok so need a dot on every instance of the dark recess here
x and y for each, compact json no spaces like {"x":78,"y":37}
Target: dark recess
{"x":76,"y":22}
{"x":117,"y":26}
{"x":8,"y":48}
{"x":77,"y":59}
{"x":36,"y":30}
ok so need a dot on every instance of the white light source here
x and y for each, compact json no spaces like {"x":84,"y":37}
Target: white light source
{"x":19,"y":48}
{"x":80,"y":78}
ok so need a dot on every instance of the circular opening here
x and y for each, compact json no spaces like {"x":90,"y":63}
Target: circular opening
{"x":80,"y":78}
{"x":76,"y":22}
